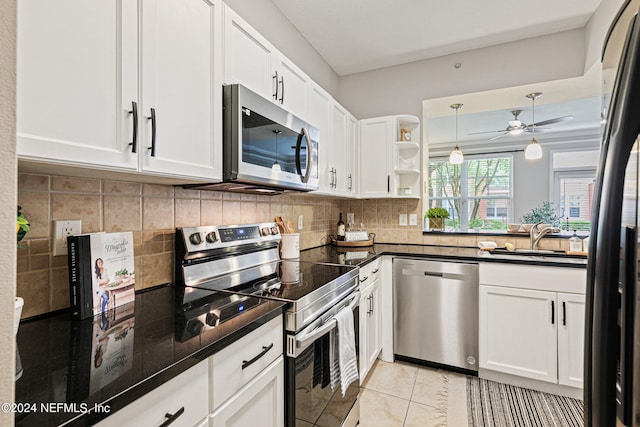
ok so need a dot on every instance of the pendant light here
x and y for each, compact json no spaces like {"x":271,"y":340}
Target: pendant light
{"x":276,"y":166}
{"x":533,"y":150}
{"x":456,"y":157}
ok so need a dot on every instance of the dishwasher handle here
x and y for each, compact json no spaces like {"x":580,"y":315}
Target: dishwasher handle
{"x":433,"y":274}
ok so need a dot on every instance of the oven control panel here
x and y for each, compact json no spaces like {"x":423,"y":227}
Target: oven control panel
{"x":206,"y":238}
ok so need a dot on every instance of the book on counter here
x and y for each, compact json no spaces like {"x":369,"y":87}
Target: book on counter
{"x":101,"y":272}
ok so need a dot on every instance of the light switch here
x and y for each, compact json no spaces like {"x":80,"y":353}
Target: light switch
{"x":403,"y":220}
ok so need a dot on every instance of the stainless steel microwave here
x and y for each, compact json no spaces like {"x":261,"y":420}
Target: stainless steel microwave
{"x":266,"y":150}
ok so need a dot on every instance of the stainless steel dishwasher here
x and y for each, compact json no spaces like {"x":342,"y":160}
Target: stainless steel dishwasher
{"x":436,"y":312}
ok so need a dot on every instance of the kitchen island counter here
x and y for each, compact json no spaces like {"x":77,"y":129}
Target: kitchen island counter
{"x":363,"y":255}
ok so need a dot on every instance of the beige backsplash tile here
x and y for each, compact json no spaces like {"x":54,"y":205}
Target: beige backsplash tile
{"x":157,"y":213}
{"x":156,"y":269}
{"x":121,"y":213}
{"x":35,"y":207}
{"x":75,"y":185}
{"x":31,"y":182}
{"x":155,"y":190}
{"x":33,"y":287}
{"x":210,"y":212}
{"x":85,"y":207}
{"x":59,"y":293}
{"x":187,"y":212}
{"x":122,"y":188}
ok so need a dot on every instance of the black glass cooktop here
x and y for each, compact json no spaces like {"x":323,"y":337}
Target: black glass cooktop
{"x":285,"y":280}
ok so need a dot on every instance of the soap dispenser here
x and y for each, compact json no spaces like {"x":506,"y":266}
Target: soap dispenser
{"x":575,"y":243}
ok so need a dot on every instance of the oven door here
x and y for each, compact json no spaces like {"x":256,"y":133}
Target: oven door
{"x":309,"y":400}
{"x":268,"y":145}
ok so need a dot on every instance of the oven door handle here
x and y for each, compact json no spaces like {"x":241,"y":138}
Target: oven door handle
{"x":306,"y":338}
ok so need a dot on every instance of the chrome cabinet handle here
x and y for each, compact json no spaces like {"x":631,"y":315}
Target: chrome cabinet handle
{"x":553,"y":312}
{"x":153,"y":132}
{"x":265,"y":350}
{"x":282,"y":91}
{"x":134,"y":142}
{"x":350,"y":182}
{"x":172,"y":417}
{"x":275,"y":79}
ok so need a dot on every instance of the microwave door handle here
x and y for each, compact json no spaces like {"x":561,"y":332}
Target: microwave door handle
{"x":307,"y":173}
{"x":305,"y":338}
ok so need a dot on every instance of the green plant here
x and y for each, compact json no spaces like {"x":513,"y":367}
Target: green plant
{"x":22,"y":225}
{"x":121,"y":272}
{"x":544,"y":213}
{"x":437,"y":213}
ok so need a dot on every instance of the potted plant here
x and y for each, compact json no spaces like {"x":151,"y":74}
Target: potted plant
{"x":436,"y":218}
{"x":544,"y":213}
{"x":22,"y":228}
{"x":22,"y":225}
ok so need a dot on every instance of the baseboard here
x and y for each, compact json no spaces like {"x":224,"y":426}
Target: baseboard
{"x":561,"y":390}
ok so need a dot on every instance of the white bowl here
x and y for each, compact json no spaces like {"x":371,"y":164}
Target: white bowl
{"x":513,"y":227}
{"x":527,"y":227}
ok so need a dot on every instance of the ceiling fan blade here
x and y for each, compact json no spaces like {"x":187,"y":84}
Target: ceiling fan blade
{"x":498,"y":136}
{"x":538,"y":130}
{"x":488,"y":131}
{"x":552,"y":121}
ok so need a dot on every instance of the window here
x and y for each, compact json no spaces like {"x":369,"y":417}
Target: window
{"x":477,"y":194}
{"x":574,"y":175}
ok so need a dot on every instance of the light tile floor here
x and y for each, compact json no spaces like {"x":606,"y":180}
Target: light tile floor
{"x":406,"y":395}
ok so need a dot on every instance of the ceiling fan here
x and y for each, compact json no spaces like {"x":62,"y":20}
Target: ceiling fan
{"x":516,"y":126}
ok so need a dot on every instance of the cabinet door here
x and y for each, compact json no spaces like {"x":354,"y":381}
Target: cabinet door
{"x":259,"y":403}
{"x":338,"y":149}
{"x":181,"y":84}
{"x":353,"y":154}
{"x":319,"y":108}
{"x":571,"y":339}
{"x":247,"y":56}
{"x":375,"y":157}
{"x":76,"y":81}
{"x":374,"y":342}
{"x":363,"y":333}
{"x":518,"y":333}
{"x":187,"y":391}
{"x":292,"y":86}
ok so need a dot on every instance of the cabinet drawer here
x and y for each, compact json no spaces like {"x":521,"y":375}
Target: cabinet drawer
{"x":543,"y":278}
{"x":227,"y":373}
{"x":188,"y":390}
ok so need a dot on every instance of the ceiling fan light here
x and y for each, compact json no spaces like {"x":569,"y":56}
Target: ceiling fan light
{"x":533,"y":150}
{"x":456,"y":157}
{"x":516,"y":131}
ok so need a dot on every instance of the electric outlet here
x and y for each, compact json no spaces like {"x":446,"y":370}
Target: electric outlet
{"x":350,"y":218}
{"x":61,"y":230}
{"x":403,"y":220}
{"x":413,"y":219}
{"x":300,"y":222}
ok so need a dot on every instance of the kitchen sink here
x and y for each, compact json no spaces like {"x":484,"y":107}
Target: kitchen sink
{"x":535,"y":255}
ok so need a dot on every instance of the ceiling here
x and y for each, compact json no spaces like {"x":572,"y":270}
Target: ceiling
{"x":360,"y":35}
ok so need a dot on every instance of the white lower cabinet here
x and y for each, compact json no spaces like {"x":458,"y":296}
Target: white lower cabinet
{"x":183,"y":397}
{"x":370,"y":319}
{"x":571,"y":339}
{"x":259,"y":403}
{"x":533,"y":333}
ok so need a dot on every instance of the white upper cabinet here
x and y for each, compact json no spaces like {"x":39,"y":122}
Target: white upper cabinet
{"x":338,"y":148}
{"x":353,"y":155}
{"x":250,"y":60}
{"x":376,"y":157}
{"x":320,"y":112}
{"x":181,"y":85}
{"x":76,"y":81}
{"x":81,"y":98}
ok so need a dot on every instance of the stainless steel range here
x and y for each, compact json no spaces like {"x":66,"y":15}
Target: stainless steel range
{"x":243,"y":260}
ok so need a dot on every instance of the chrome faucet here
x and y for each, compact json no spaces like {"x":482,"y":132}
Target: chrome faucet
{"x":536,"y":235}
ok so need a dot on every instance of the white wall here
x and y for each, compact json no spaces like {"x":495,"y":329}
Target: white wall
{"x":265,"y":17}
{"x":401,"y":89}
{"x":8,"y":176}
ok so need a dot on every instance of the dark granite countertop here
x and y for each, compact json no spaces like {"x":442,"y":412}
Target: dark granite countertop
{"x":364,"y":255}
{"x":59,"y":355}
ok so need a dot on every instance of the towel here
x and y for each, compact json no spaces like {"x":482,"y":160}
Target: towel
{"x":487,"y":246}
{"x":344,"y":365}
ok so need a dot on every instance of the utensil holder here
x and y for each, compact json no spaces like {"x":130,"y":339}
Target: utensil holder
{"x":290,"y":246}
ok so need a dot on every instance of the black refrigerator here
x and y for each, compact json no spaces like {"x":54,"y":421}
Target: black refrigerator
{"x":612,"y":321}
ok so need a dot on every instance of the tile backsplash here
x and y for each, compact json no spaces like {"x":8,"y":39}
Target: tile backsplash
{"x":151,"y":212}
